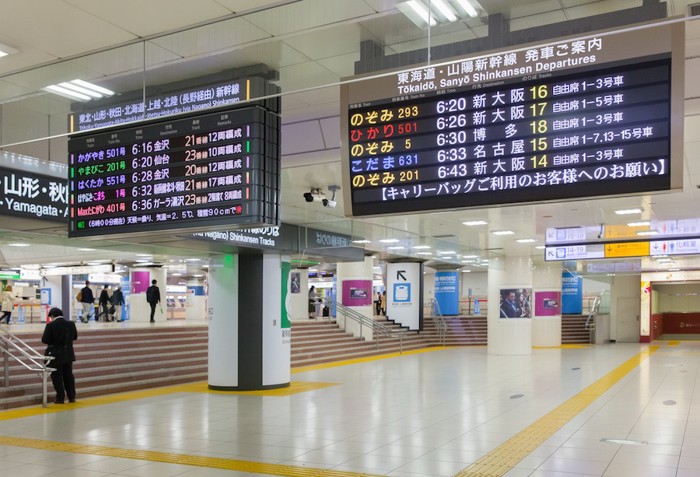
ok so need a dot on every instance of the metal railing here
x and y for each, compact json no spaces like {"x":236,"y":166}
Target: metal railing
{"x":13,"y":347}
{"x":440,"y":323}
{"x":590,"y":321}
{"x":378,"y":329}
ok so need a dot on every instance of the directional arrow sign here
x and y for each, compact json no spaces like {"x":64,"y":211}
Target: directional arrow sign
{"x":400,"y":275}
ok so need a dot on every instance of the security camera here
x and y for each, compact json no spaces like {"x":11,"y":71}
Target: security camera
{"x":329,"y":203}
{"x":308,"y":197}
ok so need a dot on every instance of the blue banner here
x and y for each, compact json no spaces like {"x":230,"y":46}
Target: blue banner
{"x":571,"y":293}
{"x":447,"y":292}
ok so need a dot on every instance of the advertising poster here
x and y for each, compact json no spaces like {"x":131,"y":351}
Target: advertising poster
{"x":295,"y":285}
{"x":571,"y":293}
{"x":515,"y":303}
{"x":357,"y":292}
{"x":547,"y":303}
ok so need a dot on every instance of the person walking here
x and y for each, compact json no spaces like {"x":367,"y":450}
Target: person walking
{"x":103,"y":302}
{"x":383,"y":303}
{"x":8,"y":304}
{"x":59,"y":335}
{"x":117,"y":303}
{"x":153,"y":298}
{"x":87,"y":301}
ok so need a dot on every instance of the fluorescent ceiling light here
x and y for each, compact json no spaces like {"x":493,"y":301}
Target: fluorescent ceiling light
{"x":424,"y":253}
{"x":470,"y":256}
{"x":7,"y":50}
{"x":648,"y":232}
{"x":398,"y":247}
{"x":530,"y":240}
{"x":176,"y":274}
{"x":628,"y":211}
{"x":389,"y":240}
{"x":643,"y":223}
{"x":503,"y":232}
{"x":83,"y":249}
{"x":446,"y":252}
{"x":466,"y":271}
{"x":79,"y":90}
{"x":361,"y":241}
{"x":540,"y":247}
{"x":421,"y":11}
{"x":421,"y":247}
{"x":18,"y":244}
{"x":444,"y":9}
{"x":92,"y":87}
{"x":468,"y":8}
{"x":475,"y":222}
{"x":66,"y":93}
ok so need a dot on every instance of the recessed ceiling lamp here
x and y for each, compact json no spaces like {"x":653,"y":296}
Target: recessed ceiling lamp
{"x":361,"y":241}
{"x":540,"y":247}
{"x":84,"y":249}
{"x":446,"y":252}
{"x":389,"y":240}
{"x":397,"y":247}
{"x":18,"y":244}
{"x":79,"y":90}
{"x":530,"y":240}
{"x":466,"y":271}
{"x":421,"y":247}
{"x":643,"y":223}
{"x":502,"y":232}
{"x":471,"y":223}
{"x":424,"y":253}
{"x":7,"y":50}
{"x":628,"y":211}
{"x":426,"y":13}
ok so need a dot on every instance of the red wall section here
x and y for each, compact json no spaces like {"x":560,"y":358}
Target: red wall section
{"x":681,"y":323}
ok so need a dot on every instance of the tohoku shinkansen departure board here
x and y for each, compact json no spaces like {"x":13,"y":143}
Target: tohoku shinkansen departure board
{"x":586,"y":117}
{"x":184,"y":173}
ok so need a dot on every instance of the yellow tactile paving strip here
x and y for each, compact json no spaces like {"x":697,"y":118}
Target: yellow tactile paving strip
{"x":506,"y":456}
{"x":494,"y":464}
{"x":181,"y":459}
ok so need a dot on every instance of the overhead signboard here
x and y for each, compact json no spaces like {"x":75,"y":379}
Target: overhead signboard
{"x":575,"y":118}
{"x":689,"y":246}
{"x":176,"y":101}
{"x":626,"y":249}
{"x":574,"y":252}
{"x":185,"y":173}
{"x":33,"y":196}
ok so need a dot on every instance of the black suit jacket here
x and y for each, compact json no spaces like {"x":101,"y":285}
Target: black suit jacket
{"x":61,"y":333}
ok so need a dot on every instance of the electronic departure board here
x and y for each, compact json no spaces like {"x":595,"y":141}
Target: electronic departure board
{"x":185,"y":173}
{"x":576,"y":118}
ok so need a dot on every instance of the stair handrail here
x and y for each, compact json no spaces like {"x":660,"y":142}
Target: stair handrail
{"x":377,"y":328}
{"x":440,"y":322}
{"x":13,"y":347}
{"x":592,"y":314}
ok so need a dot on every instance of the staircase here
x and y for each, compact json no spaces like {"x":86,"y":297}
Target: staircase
{"x":573,"y":329}
{"x":461,"y":331}
{"x":111,"y":361}
{"x":317,"y":342}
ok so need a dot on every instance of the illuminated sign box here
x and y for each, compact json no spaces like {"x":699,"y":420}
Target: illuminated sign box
{"x":191,"y":173}
{"x":585,"y":117}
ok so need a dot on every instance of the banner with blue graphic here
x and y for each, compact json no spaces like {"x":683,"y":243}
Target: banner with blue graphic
{"x":447,"y":292}
{"x":571,"y":293}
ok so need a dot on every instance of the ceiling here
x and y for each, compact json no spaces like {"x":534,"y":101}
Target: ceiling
{"x":312,"y":44}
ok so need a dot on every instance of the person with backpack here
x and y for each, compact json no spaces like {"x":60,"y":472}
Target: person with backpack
{"x":153,"y":298}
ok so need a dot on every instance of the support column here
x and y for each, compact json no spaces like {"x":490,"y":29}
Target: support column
{"x":249,"y":335}
{"x":546,"y":304}
{"x":508,"y":336}
{"x":353,"y":277}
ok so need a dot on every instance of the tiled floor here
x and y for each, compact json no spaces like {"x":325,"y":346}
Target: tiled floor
{"x":433,"y":413}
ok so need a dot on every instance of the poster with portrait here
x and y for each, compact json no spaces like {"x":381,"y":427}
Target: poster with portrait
{"x":295,"y":282}
{"x":515,"y":303}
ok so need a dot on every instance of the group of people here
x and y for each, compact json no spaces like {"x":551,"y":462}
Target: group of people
{"x":380,"y":304}
{"x":110,"y":307}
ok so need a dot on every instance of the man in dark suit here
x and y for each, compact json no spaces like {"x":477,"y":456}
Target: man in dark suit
{"x":59,"y":334}
{"x":153,"y":298}
{"x":509,"y":308}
